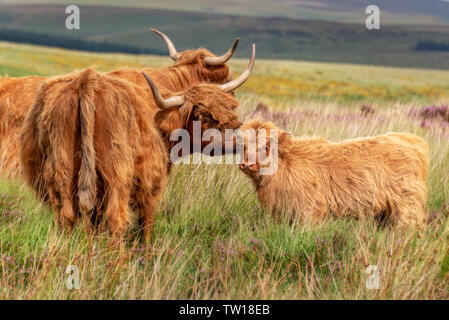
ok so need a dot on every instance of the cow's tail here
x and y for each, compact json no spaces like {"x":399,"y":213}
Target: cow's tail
{"x":87,"y":178}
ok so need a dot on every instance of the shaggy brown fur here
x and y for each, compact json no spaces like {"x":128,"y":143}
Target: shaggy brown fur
{"x":186,"y":71}
{"x":17,"y":96}
{"x":89,"y":144}
{"x":90,"y":137}
{"x":205,"y":103}
{"x":358,"y":177}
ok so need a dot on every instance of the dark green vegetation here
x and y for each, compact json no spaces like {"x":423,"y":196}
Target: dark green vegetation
{"x":62,"y":41}
{"x":278,"y":38}
{"x":393,"y":11}
{"x":432,"y":46}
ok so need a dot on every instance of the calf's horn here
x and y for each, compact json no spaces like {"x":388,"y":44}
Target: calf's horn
{"x":234,"y":84}
{"x":171,"y":47}
{"x":218,"y":61}
{"x":162,"y":103}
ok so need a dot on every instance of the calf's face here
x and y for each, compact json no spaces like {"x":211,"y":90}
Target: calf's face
{"x":262,"y":147}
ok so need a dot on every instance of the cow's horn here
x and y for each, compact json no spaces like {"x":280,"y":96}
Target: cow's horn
{"x":234,"y":84}
{"x":162,"y":103}
{"x":171,"y":47}
{"x":218,"y":61}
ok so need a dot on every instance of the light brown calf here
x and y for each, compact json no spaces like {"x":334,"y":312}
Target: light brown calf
{"x":374,"y":176}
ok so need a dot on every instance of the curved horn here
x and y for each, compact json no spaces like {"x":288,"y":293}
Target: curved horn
{"x":234,"y":84}
{"x":171,"y":47}
{"x":218,"y":61}
{"x":162,"y":103}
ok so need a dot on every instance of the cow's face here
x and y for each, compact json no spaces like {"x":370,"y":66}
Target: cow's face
{"x":195,"y":61}
{"x":212,"y":106}
{"x":202,"y":63}
{"x":213,"y":109}
{"x":263,"y":145}
{"x":256,"y":149}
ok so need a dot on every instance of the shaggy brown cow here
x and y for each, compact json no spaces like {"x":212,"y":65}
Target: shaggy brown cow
{"x":16,"y":98}
{"x":17,"y":94}
{"x":190,"y":67}
{"x":210,"y":104}
{"x":384,"y":175}
{"x":90,"y":142}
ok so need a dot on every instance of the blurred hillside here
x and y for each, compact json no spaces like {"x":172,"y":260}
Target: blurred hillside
{"x":276,"y":37}
{"x":393,"y":12}
{"x":272,"y":80}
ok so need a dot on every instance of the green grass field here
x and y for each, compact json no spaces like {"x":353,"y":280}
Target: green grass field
{"x":211,"y":239}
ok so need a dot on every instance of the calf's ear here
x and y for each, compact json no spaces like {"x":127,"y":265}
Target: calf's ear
{"x":284,"y":137}
{"x":283,"y":143}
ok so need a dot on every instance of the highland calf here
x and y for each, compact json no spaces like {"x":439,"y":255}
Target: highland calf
{"x":383,"y":176}
{"x":94,"y":144}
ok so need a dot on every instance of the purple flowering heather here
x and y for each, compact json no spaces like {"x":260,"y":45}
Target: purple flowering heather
{"x":367,"y":110}
{"x":435,"y":112}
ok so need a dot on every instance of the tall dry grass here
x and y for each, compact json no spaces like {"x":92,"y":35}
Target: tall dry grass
{"x":212,"y":240}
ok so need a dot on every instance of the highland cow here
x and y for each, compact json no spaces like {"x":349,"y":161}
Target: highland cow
{"x":89,"y":144}
{"x":93,"y":143}
{"x":190,"y":67}
{"x":17,"y":94}
{"x":383,"y":176}
{"x":16,"y":98}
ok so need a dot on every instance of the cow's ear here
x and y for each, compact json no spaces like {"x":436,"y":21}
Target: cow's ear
{"x":284,"y":143}
{"x":168,"y":121}
{"x":280,"y":137}
{"x":284,"y":137}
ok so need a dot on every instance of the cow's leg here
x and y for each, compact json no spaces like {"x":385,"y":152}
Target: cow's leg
{"x":53,"y":198}
{"x":410,"y":215}
{"x":9,"y":150}
{"x":117,"y":180}
{"x":96,"y":216}
{"x":63,"y":187}
{"x":117,"y":209}
{"x":115,"y":174}
{"x":146,"y":203}
{"x":62,"y":153}
{"x":314,"y":211}
{"x":149,"y":183}
{"x":67,"y":213}
{"x":408,"y":206}
{"x":59,"y":192}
